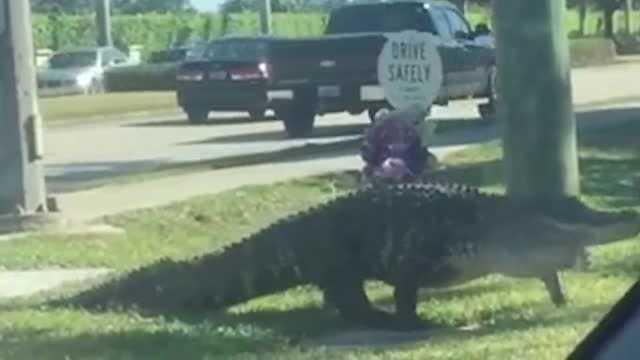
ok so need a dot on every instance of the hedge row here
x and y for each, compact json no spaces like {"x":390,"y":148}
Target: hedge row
{"x":159,"y":31}
{"x":145,"y":77}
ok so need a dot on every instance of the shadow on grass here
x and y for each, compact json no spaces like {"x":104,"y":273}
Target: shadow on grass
{"x":130,"y":344}
{"x":278,"y":135}
{"x":212,"y":121}
{"x":481,"y":174}
{"x":320,"y":132}
{"x":95,"y":175}
{"x":446,"y":294}
{"x":627,"y":265}
{"x":612,"y":180}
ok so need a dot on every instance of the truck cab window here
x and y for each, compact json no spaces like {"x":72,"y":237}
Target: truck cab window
{"x":458,"y":26}
{"x":380,"y":17}
{"x":441,"y":23}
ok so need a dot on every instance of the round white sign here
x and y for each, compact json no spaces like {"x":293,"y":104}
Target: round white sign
{"x":410,"y":69}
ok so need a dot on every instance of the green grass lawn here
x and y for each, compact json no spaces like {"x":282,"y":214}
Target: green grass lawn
{"x":109,"y":106}
{"x":511,"y":319}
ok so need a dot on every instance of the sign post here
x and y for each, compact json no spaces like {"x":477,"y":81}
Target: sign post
{"x":411,"y":73}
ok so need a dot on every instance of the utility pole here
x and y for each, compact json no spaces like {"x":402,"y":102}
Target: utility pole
{"x":22,"y":187}
{"x":535,"y":106}
{"x":103,"y":19}
{"x":265,"y":17}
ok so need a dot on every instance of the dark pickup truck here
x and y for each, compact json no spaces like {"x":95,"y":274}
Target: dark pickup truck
{"x":252,"y":74}
{"x":338,"y":71}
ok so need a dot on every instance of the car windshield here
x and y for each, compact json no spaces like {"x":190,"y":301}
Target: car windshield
{"x":74,"y":59}
{"x":235,"y":51}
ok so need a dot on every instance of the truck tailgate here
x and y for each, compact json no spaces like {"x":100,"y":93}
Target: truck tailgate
{"x":328,"y":59}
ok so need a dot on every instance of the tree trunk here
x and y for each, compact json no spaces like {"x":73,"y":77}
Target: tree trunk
{"x":583,"y":17}
{"x":535,"y":107}
{"x":608,"y":22}
{"x":628,"y":16}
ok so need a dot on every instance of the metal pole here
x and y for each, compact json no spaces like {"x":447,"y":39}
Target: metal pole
{"x":22,"y":188}
{"x":535,"y":106}
{"x":265,"y":17}
{"x":103,"y":19}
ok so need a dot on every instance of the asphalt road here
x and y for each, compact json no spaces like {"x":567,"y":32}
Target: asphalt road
{"x":81,"y":156}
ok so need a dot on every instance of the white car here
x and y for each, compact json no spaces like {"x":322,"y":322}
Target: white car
{"x":78,"y":71}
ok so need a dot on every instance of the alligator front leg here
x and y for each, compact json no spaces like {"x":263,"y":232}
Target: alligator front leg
{"x":555,"y":287}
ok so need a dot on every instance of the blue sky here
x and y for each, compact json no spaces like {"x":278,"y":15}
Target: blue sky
{"x":206,"y":5}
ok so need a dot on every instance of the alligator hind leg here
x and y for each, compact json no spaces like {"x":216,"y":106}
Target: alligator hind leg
{"x":351,"y":300}
{"x":406,"y":318}
{"x":555,"y":287}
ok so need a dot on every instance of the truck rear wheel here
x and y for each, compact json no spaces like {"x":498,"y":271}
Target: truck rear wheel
{"x":197,"y":115}
{"x":488,"y":111}
{"x":299,"y":122}
{"x":300,"y":116}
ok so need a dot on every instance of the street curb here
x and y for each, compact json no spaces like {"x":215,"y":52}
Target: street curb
{"x":117,"y":118}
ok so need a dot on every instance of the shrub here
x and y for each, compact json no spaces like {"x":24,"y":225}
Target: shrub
{"x":592,"y":51}
{"x":147,"y":77}
{"x":627,"y":44}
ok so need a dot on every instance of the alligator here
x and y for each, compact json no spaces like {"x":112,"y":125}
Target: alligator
{"x":409,"y":236}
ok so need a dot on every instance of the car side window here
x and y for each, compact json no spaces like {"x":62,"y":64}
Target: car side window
{"x":457,"y":23}
{"x":119,"y":56}
{"x":441,"y":23}
{"x":106,"y":58}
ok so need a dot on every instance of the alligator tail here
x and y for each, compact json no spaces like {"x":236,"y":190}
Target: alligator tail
{"x":262,"y":264}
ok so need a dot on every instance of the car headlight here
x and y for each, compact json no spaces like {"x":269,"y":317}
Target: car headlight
{"x":84,"y":80}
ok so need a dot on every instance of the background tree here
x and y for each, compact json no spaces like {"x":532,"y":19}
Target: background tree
{"x":283,"y":5}
{"x":144,"y":6}
{"x":608,"y":8}
{"x":462,"y":4}
{"x":118,"y":6}
{"x":62,"y":6}
{"x":582,"y":6}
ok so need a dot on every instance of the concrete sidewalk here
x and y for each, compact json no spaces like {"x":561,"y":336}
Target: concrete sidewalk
{"x":25,"y":283}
